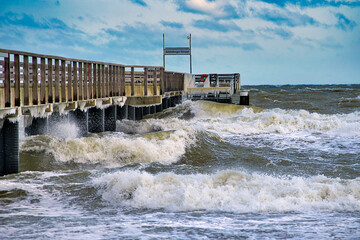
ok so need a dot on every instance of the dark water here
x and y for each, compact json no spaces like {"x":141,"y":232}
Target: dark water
{"x":288,"y":166}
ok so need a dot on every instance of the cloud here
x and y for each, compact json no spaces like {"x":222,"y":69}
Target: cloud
{"x":250,"y":46}
{"x":313,"y":3}
{"x":172,"y":24}
{"x":216,"y":26}
{"x":28,"y":21}
{"x":344,"y":23}
{"x":139,"y":2}
{"x":281,"y":32}
{"x":281,"y":16}
{"x":215,"y":8}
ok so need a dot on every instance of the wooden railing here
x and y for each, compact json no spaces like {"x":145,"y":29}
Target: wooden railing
{"x":29,"y":79}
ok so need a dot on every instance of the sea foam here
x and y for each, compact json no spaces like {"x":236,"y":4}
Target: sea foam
{"x":228,"y":191}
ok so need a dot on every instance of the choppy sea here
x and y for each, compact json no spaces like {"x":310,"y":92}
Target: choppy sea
{"x":287,"y":166}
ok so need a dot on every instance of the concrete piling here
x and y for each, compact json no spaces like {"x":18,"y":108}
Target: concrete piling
{"x":39,"y":126}
{"x":121,"y":112}
{"x":110,"y":118}
{"x":80,"y":118}
{"x":146,"y":111}
{"x":96,"y":120}
{"x":131,"y":113}
{"x":138,"y":113}
{"x":9,"y":144}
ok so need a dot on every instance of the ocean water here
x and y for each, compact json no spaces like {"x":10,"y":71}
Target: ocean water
{"x":287,"y":166}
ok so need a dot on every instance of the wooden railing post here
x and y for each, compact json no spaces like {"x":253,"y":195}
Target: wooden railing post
{"x":50,"y":80}
{"x":75,"y":82}
{"x":103,"y":80}
{"x":35,"y":81}
{"x":162,"y":82}
{"x":7,"y":81}
{"x":85,"y":81}
{"x":26,"y":80}
{"x":155,"y":82}
{"x":116,"y":81}
{"x":106,"y":80}
{"x":57,"y":81}
{"x":63,"y":81}
{"x":145,"y":81}
{"x":122,"y":80}
{"x":69,"y":82}
{"x":132,"y":81}
{"x":17,"y":79}
{"x":95,"y":94}
{"x":43,"y":81}
{"x":81,"y":81}
{"x":90,"y":73}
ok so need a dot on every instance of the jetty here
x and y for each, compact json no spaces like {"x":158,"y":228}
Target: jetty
{"x":44,"y":90}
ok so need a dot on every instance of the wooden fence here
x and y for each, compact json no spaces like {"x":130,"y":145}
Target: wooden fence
{"x":29,"y":79}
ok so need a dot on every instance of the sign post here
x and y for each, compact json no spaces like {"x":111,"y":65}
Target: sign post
{"x":177,"y":51}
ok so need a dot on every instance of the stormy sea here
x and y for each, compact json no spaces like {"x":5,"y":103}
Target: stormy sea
{"x":287,"y":166}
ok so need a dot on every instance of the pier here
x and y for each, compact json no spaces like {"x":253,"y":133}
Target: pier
{"x":46,"y":89}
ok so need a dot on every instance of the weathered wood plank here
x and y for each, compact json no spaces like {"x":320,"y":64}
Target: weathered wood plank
{"x":155,"y":82}
{"x":35,"y":81}
{"x":43,"y":81}
{"x":162,"y":82}
{"x":85,"y":81}
{"x":123,"y":93}
{"x":95,"y":93}
{"x":69,"y":83}
{"x":116,"y":81}
{"x":75,"y":82}
{"x":111,"y":81}
{"x":90,"y":74}
{"x":17,"y":79}
{"x":81,"y":73}
{"x":103,"y":79}
{"x":57,"y":81}
{"x":63,"y":81}
{"x":7,"y":82}
{"x":106,"y":82}
{"x":50,"y":80}
{"x":145,"y":81}
{"x":132,"y":81}
{"x":26,"y":80}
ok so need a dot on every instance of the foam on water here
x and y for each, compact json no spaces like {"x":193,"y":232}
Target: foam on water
{"x":228,"y":191}
{"x":247,"y":121}
{"x":115,"y":149}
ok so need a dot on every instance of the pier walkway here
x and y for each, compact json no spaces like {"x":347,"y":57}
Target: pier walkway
{"x":44,"y":90}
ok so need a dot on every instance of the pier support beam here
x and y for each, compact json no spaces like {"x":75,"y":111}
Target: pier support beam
{"x":96,"y":120}
{"x":39,"y":126}
{"x":165,"y":103}
{"x":172,"y":101}
{"x":9,"y":147}
{"x":131,"y":113}
{"x":153,"y":109}
{"x":110,"y":118}
{"x":80,"y":118}
{"x":159,"y":108}
{"x":146,"y":111}
{"x":138,"y":113}
{"x":121,"y":112}
{"x":244,"y":98}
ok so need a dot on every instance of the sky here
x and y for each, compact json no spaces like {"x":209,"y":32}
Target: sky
{"x":266,"y":41}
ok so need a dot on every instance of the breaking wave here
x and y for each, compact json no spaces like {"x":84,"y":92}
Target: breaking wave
{"x":228,"y":191}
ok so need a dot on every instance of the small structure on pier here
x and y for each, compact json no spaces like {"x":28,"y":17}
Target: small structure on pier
{"x":214,"y":87}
